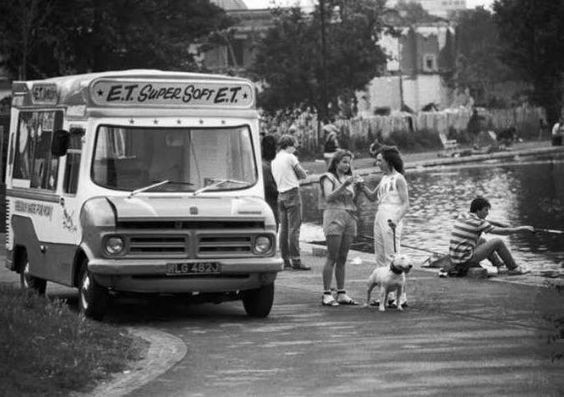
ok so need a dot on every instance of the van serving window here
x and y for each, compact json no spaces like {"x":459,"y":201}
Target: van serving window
{"x":33,"y":160}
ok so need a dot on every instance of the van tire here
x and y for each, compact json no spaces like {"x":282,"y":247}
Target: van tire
{"x":29,"y":282}
{"x":258,"y":302}
{"x":93,"y":299}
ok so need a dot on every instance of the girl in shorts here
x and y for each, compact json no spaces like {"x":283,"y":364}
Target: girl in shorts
{"x":338,"y":191}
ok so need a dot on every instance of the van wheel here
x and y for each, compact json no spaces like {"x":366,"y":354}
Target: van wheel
{"x":93,"y":299}
{"x":258,"y":302}
{"x":29,"y":282}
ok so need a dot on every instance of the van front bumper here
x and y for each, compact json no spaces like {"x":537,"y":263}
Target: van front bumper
{"x":150,"y":276}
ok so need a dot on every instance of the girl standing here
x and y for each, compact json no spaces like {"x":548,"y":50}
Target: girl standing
{"x":393,"y":203}
{"x":338,"y":190}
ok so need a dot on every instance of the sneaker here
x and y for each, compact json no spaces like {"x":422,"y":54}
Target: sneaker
{"x":287,"y":265}
{"x":443,"y":273}
{"x":328,"y":300}
{"x":518,"y":271}
{"x":344,"y":299}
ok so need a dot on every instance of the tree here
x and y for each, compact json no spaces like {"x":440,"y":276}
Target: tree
{"x":478,"y":66}
{"x":42,"y":38}
{"x":292,"y":64}
{"x":412,"y":13}
{"x":531,"y":34}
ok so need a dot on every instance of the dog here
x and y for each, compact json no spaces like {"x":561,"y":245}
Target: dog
{"x":391,"y":278}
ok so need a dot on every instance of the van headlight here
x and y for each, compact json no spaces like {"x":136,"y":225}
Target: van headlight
{"x":263,"y":244}
{"x":114,"y":245}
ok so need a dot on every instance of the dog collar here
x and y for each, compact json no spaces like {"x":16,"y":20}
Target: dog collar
{"x":395,"y":269}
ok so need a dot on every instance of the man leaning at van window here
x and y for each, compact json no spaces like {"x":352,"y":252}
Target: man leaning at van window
{"x":287,"y":173}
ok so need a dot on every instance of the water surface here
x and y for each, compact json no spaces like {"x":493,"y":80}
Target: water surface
{"x":522,"y":191}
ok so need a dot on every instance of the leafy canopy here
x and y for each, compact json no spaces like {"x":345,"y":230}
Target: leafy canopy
{"x":43,"y":38}
{"x":295,"y":69}
{"x":531,"y":34}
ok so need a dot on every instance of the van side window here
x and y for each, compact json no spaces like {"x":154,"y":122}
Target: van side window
{"x":74,"y":153}
{"x":33,"y":160}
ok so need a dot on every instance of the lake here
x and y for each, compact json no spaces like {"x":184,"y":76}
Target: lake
{"x":523,"y":191}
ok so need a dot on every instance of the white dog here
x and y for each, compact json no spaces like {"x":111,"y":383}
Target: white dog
{"x":389,"y":279}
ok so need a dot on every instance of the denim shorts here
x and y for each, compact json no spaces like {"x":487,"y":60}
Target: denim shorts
{"x":339,"y":222}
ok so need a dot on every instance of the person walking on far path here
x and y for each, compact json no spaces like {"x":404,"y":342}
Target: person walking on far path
{"x":393,"y":202}
{"x":467,"y":248}
{"x":338,"y":191}
{"x":287,"y":173}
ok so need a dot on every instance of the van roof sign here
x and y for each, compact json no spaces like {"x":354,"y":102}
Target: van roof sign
{"x":167,"y":93}
{"x":44,"y":94}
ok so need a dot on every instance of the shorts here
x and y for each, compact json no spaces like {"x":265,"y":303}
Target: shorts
{"x":338,"y":222}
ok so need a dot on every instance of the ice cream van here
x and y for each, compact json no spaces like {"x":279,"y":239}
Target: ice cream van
{"x":140,"y":181}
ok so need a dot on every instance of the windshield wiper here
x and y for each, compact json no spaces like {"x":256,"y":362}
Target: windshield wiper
{"x":219,"y":182}
{"x":154,"y":185}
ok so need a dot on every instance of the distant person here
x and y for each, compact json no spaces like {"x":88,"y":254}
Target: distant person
{"x":467,"y":248}
{"x":543,"y":127}
{"x":558,"y":132}
{"x":268,"y":149}
{"x":338,"y":192}
{"x":393,"y":202}
{"x":474,"y":127}
{"x":287,"y":172}
{"x":331,"y":142}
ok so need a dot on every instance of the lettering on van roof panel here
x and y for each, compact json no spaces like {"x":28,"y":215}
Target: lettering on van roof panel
{"x":172,"y":93}
{"x":44,"y":94}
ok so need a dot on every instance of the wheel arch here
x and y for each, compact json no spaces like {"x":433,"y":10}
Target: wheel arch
{"x":79,"y":258}
{"x":17,"y":256}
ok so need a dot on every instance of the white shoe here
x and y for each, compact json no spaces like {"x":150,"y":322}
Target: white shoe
{"x":328,"y":300}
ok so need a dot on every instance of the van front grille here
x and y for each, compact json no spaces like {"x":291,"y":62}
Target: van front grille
{"x":158,"y":245}
{"x":214,"y":246}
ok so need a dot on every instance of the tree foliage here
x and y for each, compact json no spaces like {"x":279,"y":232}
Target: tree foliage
{"x":412,"y":12}
{"x":478,"y":65}
{"x":42,"y":38}
{"x":531,"y":33}
{"x":297,"y":72}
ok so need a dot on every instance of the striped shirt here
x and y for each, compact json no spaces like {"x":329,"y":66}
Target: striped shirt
{"x":465,"y":235}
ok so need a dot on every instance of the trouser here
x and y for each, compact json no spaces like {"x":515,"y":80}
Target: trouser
{"x":384,"y":235}
{"x":494,"y":250}
{"x":490,"y":249}
{"x":290,"y":215}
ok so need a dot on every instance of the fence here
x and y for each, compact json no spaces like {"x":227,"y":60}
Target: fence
{"x":362,"y":130}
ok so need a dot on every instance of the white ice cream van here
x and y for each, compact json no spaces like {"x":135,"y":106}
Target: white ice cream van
{"x":140,"y":181}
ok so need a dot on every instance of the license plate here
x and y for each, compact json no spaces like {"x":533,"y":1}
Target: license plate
{"x":179,"y":269}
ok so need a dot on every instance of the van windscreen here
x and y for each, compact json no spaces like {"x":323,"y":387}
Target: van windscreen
{"x":189,"y":159}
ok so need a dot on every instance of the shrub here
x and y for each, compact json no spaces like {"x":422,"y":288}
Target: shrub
{"x":47,"y":349}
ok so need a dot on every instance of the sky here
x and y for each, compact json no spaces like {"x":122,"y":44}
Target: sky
{"x":267,"y":3}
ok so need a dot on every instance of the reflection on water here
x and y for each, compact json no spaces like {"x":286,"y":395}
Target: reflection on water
{"x":525,"y":191}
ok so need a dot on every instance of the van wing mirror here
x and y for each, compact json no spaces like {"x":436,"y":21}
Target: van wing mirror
{"x":60,"y":143}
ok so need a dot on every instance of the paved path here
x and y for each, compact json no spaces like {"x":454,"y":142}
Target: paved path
{"x":433,"y":158}
{"x":458,"y":337}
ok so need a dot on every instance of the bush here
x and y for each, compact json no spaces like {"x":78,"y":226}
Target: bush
{"x":47,"y":349}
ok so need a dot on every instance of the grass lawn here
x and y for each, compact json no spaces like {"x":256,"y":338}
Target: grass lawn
{"x":48,"y":350}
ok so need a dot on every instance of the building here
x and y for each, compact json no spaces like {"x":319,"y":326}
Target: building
{"x":440,"y":8}
{"x":414,"y":73}
{"x":233,"y":50}
{"x":414,"y":76}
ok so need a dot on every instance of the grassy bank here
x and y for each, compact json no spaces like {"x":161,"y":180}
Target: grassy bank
{"x":48,"y":350}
